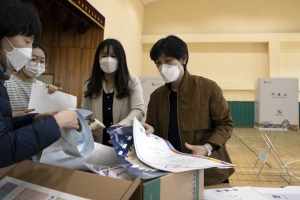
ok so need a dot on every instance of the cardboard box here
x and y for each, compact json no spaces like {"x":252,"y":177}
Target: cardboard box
{"x":79,"y":183}
{"x":184,"y":185}
{"x":6,"y":169}
{"x":276,"y":104}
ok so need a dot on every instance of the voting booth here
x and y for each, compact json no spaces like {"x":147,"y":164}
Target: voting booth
{"x":149,"y":84}
{"x":275,"y":109}
{"x":276,"y":104}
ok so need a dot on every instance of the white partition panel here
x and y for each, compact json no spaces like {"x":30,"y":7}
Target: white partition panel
{"x":149,"y":84}
{"x":276,"y":104}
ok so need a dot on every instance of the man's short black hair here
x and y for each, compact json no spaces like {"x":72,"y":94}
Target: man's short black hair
{"x":19,"y":17}
{"x":171,"y":46}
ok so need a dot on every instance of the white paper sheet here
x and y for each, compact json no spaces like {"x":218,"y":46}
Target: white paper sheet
{"x":286,"y":193}
{"x":292,"y":189}
{"x":158,"y":153}
{"x":42,"y":101}
{"x":11,"y":188}
{"x":235,"y":193}
{"x":115,"y":171}
{"x":102,"y":155}
{"x":78,"y":143}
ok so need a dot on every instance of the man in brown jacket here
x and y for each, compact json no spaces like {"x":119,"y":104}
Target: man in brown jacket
{"x":189,"y":111}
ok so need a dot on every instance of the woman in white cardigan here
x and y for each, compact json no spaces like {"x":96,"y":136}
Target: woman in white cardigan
{"x":113,"y":96}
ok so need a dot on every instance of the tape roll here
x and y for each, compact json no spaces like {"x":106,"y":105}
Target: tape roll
{"x":79,"y":142}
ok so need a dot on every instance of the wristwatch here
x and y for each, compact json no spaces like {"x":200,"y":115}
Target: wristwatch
{"x":207,"y":150}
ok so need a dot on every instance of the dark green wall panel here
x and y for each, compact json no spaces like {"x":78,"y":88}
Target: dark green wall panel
{"x":242,"y":113}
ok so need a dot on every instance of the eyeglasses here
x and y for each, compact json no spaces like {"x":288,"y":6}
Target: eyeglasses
{"x":38,"y":59}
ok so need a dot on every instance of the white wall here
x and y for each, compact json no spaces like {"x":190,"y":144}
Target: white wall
{"x":221,"y":16}
{"x":232,"y":42}
{"x":124,"y":22}
{"x":290,"y":59}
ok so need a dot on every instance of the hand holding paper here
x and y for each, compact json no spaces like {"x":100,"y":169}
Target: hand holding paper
{"x":67,"y":119}
{"x":149,"y":129}
{"x":96,"y":128}
{"x":64,"y":119}
{"x":160,"y":154}
{"x":75,"y":141}
{"x":51,"y":88}
{"x":41,"y":116}
{"x":97,"y":132}
{"x":196,"y":149}
{"x":22,"y":112}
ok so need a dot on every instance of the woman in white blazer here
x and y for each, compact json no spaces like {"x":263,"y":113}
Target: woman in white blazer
{"x":113,"y":96}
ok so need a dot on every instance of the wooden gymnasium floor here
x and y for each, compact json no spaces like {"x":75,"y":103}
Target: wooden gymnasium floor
{"x":244,"y":147}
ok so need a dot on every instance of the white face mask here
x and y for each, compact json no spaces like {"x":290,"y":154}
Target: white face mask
{"x":34,"y":69}
{"x":109,"y":65}
{"x":169,"y":73}
{"x":18,"y":57}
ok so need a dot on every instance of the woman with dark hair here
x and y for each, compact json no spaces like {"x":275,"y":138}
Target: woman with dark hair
{"x":189,"y":111}
{"x":22,"y":137}
{"x":20,"y":83}
{"x":113,"y":96}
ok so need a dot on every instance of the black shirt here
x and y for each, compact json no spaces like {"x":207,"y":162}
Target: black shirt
{"x":107,"y":103}
{"x":173,"y":133}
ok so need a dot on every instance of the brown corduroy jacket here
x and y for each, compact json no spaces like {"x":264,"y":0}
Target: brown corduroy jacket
{"x":203,"y":116}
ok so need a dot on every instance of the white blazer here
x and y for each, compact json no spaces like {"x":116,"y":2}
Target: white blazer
{"x":124,"y":110}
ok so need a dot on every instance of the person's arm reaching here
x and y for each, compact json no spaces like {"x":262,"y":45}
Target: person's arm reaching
{"x":24,"y":142}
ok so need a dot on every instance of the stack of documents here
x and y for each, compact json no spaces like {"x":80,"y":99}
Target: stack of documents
{"x":250,"y":193}
{"x":286,"y":193}
{"x":235,"y":193}
{"x":160,"y":154}
{"x":150,"y":156}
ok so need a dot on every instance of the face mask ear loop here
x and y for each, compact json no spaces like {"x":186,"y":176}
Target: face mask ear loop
{"x":9,"y":43}
{"x":4,"y":49}
{"x":180,"y":66}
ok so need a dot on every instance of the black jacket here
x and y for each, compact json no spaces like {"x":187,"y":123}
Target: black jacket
{"x":20,"y":137}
